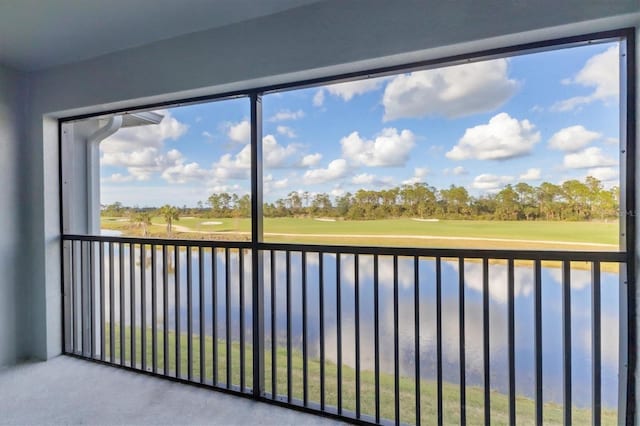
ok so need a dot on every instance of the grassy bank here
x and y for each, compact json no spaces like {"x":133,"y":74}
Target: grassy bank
{"x":518,"y":235}
{"x":451,"y":392}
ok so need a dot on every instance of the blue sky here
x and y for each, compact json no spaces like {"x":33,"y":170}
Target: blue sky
{"x":548,"y":116}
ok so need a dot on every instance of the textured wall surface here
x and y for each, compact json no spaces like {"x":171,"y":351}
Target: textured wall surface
{"x":10,"y":139}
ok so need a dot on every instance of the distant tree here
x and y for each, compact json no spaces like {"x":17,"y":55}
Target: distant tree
{"x":455,"y":200}
{"x":547,"y":195}
{"x":170,"y":214}
{"x":321,"y":204}
{"x":508,"y":205}
{"x":243,"y":206}
{"x":220,"y":204}
{"x":295,"y":201}
{"x":116,"y":209}
{"x":576,"y":195}
{"x":143,"y":219}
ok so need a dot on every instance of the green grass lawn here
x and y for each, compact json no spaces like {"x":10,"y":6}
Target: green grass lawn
{"x":537,"y":234}
{"x":451,"y":392}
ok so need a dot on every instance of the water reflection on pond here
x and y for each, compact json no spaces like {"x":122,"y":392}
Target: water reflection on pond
{"x":524,"y":315}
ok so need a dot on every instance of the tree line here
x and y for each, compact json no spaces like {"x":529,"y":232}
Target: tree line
{"x":572,"y":200}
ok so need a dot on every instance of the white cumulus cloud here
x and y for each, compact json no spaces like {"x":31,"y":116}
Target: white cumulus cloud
{"x":572,"y":138}
{"x":599,"y":73}
{"x":140,"y":149}
{"x":588,"y":158}
{"x":502,"y":138}
{"x":286,"y":114}
{"x":450,"y":92}
{"x":276,"y":155}
{"x":367,"y":179}
{"x":233,"y":166}
{"x":531,"y":174}
{"x":419,"y":173}
{"x":335,"y":170}
{"x":286,"y":131}
{"x":318,"y":98}
{"x":489,"y":182}
{"x":363,"y":179}
{"x":389,"y":148}
{"x":311,"y":160}
{"x":240,"y":132}
{"x":183,"y":173}
{"x":271,"y":184}
{"x":458,"y":171}
{"x":605,"y":174}
{"x":118,"y":178}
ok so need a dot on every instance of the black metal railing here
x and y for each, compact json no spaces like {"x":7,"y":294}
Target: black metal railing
{"x":368,"y":334}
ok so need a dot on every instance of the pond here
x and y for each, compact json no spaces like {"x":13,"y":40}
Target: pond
{"x":524,"y":315}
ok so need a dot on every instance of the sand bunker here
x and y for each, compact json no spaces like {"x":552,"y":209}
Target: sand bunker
{"x":425,"y":220}
{"x":211,"y":223}
{"x":324,"y":219}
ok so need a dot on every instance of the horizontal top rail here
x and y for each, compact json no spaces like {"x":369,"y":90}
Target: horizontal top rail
{"x":158,"y":241}
{"x":548,"y":255}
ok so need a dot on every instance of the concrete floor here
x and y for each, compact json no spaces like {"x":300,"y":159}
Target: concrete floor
{"x":66,"y":390}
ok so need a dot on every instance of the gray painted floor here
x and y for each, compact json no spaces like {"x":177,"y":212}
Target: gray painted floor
{"x":66,"y":390}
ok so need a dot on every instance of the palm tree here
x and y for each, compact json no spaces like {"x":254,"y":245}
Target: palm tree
{"x":169,"y":213}
{"x":143,"y":219}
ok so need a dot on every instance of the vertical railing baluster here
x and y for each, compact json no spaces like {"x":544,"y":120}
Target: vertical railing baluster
{"x":66,"y":295}
{"x":416,"y":333}
{"x":439,"y":338}
{"x":132,"y":303}
{"x":189,"y":315}
{"x":566,"y":340}
{"x":214,"y":313}
{"x":143,"y":305}
{"x":461,"y":327}
{"x":112,"y":297}
{"x":396,"y":342}
{"x":537,"y":309}
{"x":595,"y":343}
{"x":288,"y":296}
{"x":227,"y":269}
{"x":88,"y":284}
{"x":321,"y":314}
{"x":81,"y":283}
{"x":376,"y":337}
{"x":274,"y":334}
{"x":92,"y":298}
{"x":154,"y":314}
{"x":121,"y":308}
{"x":241,"y":314}
{"x":339,"y":333}
{"x":102,"y":301}
{"x":356,"y":279}
{"x":201,"y":317}
{"x":177,"y":307}
{"x":305,"y":366}
{"x":72,"y":294}
{"x":165,"y":310}
{"x":511,"y":341}
{"x":485,"y":341}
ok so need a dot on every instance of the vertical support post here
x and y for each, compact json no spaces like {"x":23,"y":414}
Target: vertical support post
{"x":628,"y":317}
{"x":257,"y":266}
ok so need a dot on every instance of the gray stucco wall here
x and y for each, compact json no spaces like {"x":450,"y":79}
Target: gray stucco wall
{"x":11,"y":99}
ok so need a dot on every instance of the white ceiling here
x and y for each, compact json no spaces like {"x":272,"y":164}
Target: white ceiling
{"x":37,"y":34}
